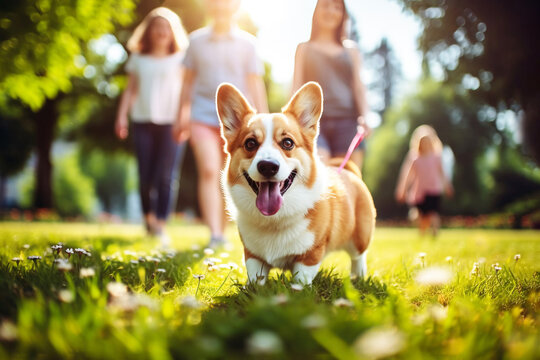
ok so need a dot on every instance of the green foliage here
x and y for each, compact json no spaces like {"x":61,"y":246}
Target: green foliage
{"x":484,"y":46}
{"x":74,"y":193}
{"x":165,"y":312}
{"x":41,"y":40}
{"x":113,"y":177}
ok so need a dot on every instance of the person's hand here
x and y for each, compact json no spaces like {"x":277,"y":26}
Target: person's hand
{"x":400,"y":198}
{"x":363,"y":127}
{"x":121,"y":128}
{"x":449,"y":190}
{"x":181,"y":129}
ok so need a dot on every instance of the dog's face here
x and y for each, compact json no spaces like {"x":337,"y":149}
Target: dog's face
{"x":269,"y":155}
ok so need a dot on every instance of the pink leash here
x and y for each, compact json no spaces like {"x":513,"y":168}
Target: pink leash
{"x":354,"y":144}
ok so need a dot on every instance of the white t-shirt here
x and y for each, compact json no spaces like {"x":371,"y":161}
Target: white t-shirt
{"x":159,"y":85}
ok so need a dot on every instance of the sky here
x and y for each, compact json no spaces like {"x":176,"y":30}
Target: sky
{"x":285,"y":23}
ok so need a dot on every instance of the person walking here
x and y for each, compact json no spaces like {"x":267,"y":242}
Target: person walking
{"x":151,"y":100}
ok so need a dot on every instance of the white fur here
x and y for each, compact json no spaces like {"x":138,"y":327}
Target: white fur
{"x":305,"y":273}
{"x":358,"y":264}
{"x":257,"y":271}
{"x":267,"y":151}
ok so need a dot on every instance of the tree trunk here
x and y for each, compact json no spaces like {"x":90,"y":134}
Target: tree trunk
{"x":46,"y":119}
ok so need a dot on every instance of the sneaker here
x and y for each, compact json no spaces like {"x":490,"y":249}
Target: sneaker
{"x":217,"y":241}
{"x":164,"y":239}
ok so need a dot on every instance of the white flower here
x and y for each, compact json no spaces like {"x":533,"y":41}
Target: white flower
{"x":434,"y":275}
{"x":189,"y":301}
{"x":211,"y":261}
{"x":8,"y":331}
{"x":497,"y":268}
{"x":196,"y":256}
{"x":380,"y":343}
{"x":63,"y":265}
{"x":161,"y":270}
{"x":422,"y":255}
{"x":66,"y":296}
{"x":208,"y":252}
{"x":342,"y":302}
{"x":116,"y":289}
{"x":438,"y":312}
{"x":517,"y":257}
{"x":297,"y":287}
{"x":224,"y":255}
{"x":264,"y":342}
{"x":198,"y":276}
{"x":87,"y":272}
{"x":26,"y":246}
{"x":313,"y":321}
{"x":280,"y":299}
{"x":195,"y":247}
{"x":449,"y":259}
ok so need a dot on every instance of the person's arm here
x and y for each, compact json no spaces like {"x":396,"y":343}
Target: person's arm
{"x":126,"y":101}
{"x":359,"y":89}
{"x":181,"y":125}
{"x":298,"y":75}
{"x":405,"y":176}
{"x":447,"y":185}
{"x":257,"y":92}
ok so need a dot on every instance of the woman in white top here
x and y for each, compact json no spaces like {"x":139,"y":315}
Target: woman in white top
{"x":152,"y":100}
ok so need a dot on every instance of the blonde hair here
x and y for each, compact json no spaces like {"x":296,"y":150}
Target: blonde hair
{"x":424,"y":132}
{"x":341,"y":31}
{"x":140,"y":41}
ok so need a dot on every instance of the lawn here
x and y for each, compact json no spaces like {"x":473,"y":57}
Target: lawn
{"x":470,"y":294}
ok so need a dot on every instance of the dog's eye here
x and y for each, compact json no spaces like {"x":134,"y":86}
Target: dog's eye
{"x":251,"y":144}
{"x":287,"y":144}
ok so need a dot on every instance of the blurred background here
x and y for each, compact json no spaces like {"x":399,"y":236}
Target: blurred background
{"x":469,"y":69}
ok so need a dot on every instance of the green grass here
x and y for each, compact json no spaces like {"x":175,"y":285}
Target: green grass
{"x":170,"y":313}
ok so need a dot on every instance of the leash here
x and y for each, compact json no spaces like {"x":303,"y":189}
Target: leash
{"x":354,"y":144}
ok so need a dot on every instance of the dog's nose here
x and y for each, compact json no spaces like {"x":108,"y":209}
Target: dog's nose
{"x":268,"y":168}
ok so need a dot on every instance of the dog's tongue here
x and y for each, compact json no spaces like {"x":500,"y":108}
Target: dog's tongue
{"x":269,"y":199}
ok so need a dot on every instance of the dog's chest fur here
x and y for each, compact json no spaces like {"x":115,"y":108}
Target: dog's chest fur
{"x":277,"y":245}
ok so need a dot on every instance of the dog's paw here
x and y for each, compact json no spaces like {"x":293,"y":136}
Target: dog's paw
{"x":304,"y":274}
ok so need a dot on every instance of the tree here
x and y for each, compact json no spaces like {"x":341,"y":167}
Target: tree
{"x":41,"y":47}
{"x":383,"y":61}
{"x":486,"y":47}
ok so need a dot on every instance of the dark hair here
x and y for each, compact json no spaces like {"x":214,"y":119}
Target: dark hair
{"x":341,"y":31}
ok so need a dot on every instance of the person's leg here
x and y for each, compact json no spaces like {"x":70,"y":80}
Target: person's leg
{"x":207,"y":148}
{"x":423,"y":223}
{"x":165,"y":158}
{"x":435,"y":223}
{"x":143,"y":150}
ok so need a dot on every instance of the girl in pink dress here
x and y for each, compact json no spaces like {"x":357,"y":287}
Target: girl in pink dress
{"x":422,"y":179}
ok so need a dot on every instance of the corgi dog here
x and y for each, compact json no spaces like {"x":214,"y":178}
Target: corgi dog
{"x":290,"y":208}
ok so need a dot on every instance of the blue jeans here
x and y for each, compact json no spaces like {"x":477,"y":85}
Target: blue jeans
{"x":156,"y":155}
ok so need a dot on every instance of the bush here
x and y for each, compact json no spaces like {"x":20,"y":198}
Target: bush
{"x":74,"y":193}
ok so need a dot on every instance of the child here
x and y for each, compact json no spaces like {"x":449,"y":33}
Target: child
{"x":218,"y":53}
{"x":335,"y":63}
{"x":422,"y":179}
{"x":152,"y":98}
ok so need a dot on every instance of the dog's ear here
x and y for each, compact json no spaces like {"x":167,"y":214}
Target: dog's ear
{"x":232,"y":108}
{"x":306,"y":106}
